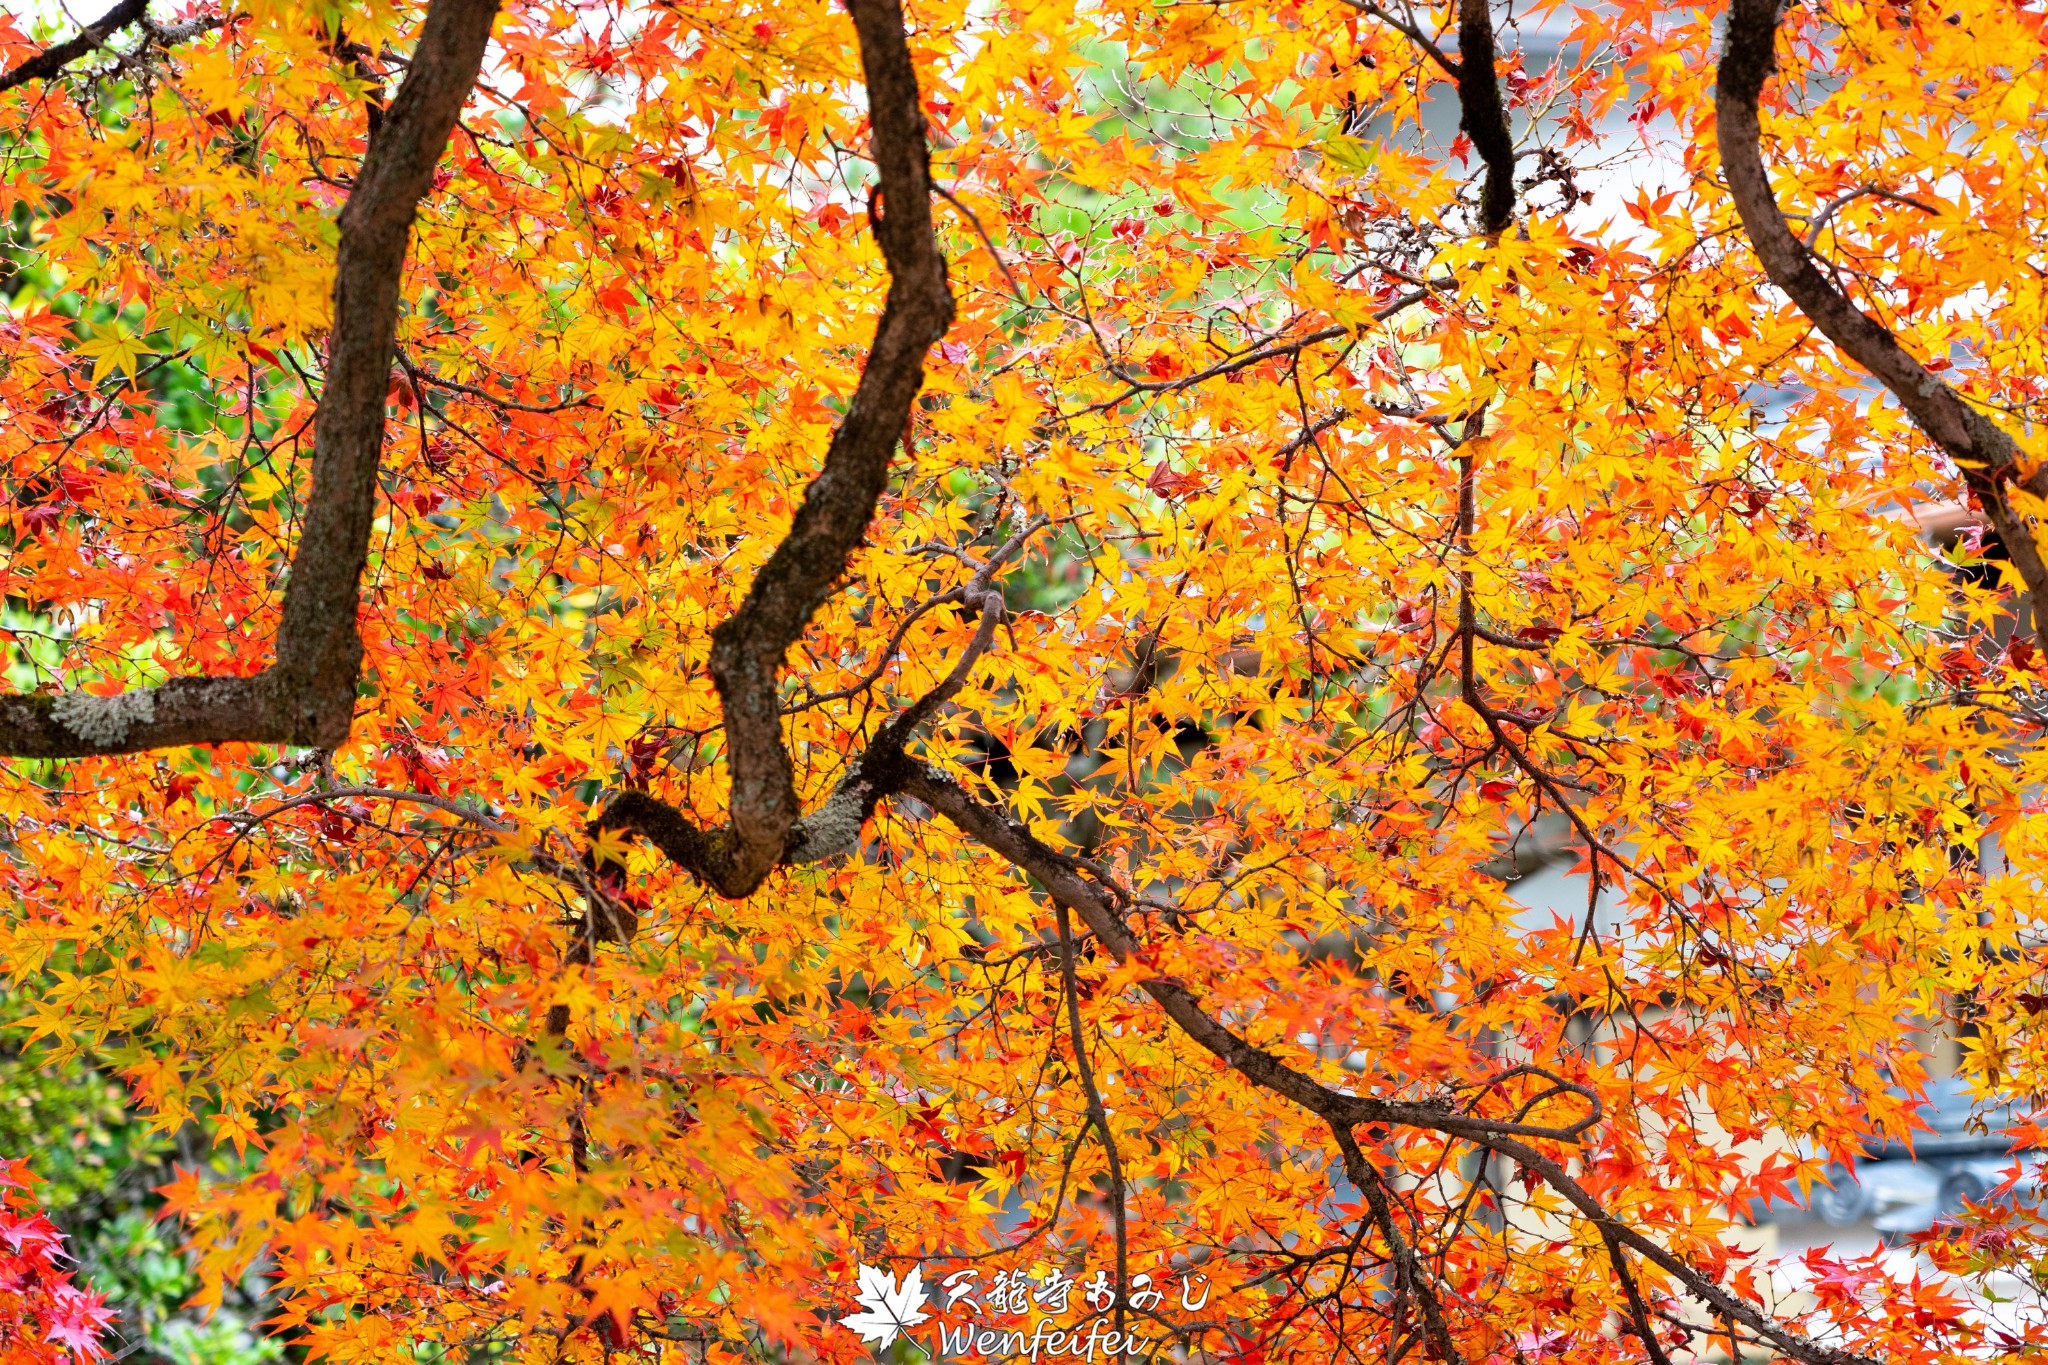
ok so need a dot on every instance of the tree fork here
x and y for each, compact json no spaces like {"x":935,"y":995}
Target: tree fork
{"x":765,"y":825}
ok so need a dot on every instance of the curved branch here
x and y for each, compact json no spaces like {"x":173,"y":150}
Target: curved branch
{"x":834,"y":827}
{"x":1258,"y":354}
{"x":1988,"y":457}
{"x":308,"y":695}
{"x":1062,"y":880}
{"x":748,"y":647}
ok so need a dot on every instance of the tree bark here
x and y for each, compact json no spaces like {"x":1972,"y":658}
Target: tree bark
{"x":1988,"y":457}
{"x":308,"y":695}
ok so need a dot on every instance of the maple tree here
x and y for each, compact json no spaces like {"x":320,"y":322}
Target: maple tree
{"x":664,"y":654}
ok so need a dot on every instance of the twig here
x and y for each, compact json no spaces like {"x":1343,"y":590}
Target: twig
{"x":1820,"y":220}
{"x":986,"y":240}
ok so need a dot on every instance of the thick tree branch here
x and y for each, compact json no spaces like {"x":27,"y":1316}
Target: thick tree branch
{"x":834,"y":827}
{"x":181,"y":711}
{"x":51,"y":62}
{"x":1988,"y":457}
{"x":319,"y":651}
{"x":308,"y":695}
{"x":88,"y":40}
{"x":1482,"y":115}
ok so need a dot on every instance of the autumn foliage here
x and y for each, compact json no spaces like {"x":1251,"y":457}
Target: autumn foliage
{"x":45,"y":1319}
{"x":731,"y":645}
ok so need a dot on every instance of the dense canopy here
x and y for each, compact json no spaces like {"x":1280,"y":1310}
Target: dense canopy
{"x":681,"y":668}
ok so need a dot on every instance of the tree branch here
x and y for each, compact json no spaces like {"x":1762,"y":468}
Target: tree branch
{"x":1410,"y":30}
{"x":1407,"y":1266}
{"x":1064,"y":885}
{"x":1638,"y":1310}
{"x":1098,"y":1113}
{"x":1818,"y":223}
{"x":1483,"y":117}
{"x":308,"y":695}
{"x":748,"y":647}
{"x":88,"y":40}
{"x":834,"y":827}
{"x":1062,"y":880}
{"x":1698,"y":1285}
{"x":319,"y":651}
{"x":1988,"y":457}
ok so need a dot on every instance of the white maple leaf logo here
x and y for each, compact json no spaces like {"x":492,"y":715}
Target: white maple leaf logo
{"x":886,"y":1310}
